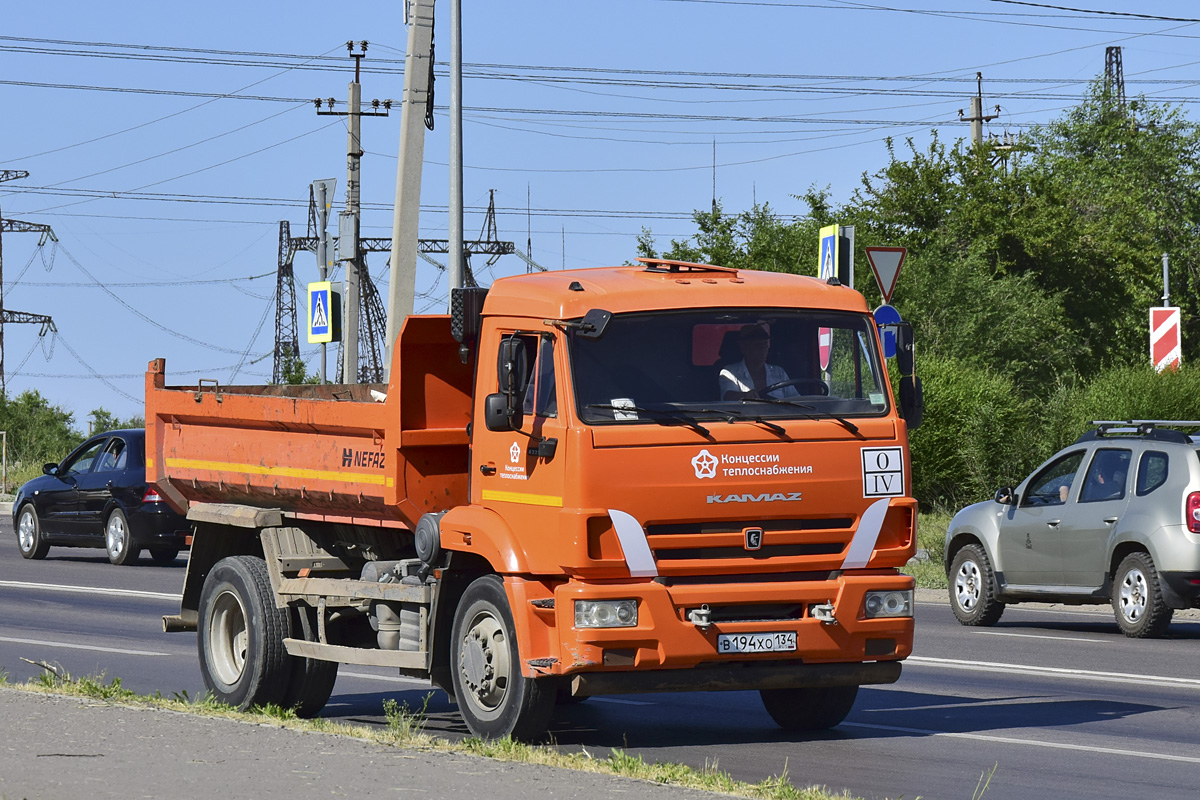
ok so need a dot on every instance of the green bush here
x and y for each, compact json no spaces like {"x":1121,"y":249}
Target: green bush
{"x":975,"y":435}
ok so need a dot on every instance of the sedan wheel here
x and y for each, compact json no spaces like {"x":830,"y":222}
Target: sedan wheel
{"x":29,"y":534}
{"x":117,"y":540}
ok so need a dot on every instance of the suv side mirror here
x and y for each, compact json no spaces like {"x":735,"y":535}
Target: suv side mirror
{"x":1006,"y":496}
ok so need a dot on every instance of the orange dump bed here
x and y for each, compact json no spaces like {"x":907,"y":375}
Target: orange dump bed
{"x":332,"y":451}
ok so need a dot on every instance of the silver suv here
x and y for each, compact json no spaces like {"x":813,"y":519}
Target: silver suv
{"x":1115,"y":518}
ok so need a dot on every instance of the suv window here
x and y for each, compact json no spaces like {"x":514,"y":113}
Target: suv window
{"x":1152,"y":471}
{"x":1106,"y":476}
{"x":1051,"y":486}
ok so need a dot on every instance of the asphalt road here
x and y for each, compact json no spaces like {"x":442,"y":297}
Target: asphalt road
{"x":1056,"y":700}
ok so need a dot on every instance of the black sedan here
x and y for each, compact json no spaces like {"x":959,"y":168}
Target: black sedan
{"x":98,"y":497}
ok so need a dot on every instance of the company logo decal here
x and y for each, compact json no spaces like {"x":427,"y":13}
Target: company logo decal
{"x":705,"y":464}
{"x":514,"y":453}
{"x":362,"y":458}
{"x":765,"y":497}
{"x":754,"y":537}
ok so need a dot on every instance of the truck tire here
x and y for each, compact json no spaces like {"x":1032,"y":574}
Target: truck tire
{"x":29,"y":534}
{"x":494,"y":698}
{"x":118,"y":542}
{"x":972,"y":588}
{"x":240,"y":635}
{"x":1137,"y":599}
{"x":311,"y":681}
{"x":809,"y":709}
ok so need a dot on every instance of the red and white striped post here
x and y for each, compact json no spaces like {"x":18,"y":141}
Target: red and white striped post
{"x":1165,"y":338}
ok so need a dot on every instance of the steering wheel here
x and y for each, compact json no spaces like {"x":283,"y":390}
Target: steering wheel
{"x":815,"y":383}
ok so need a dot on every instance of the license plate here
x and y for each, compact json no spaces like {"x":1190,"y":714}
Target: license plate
{"x":756,"y":642}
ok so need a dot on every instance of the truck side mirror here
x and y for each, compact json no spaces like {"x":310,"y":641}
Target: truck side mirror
{"x":497,"y":416}
{"x":912,"y":401}
{"x":502,"y":411}
{"x":904,"y":348}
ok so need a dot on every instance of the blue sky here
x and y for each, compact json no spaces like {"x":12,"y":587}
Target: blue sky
{"x":165,"y":141}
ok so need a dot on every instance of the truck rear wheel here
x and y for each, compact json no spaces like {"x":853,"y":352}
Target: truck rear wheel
{"x":240,"y":635}
{"x":494,"y":698}
{"x":809,"y":709}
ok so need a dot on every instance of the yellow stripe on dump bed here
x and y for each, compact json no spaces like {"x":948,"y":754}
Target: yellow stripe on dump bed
{"x":522,"y":497}
{"x":284,"y":472}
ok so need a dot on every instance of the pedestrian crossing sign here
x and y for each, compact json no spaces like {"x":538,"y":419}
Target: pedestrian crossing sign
{"x":324,"y":313}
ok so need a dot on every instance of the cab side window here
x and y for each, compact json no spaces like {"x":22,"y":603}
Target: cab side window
{"x":1106,"y":476}
{"x":1152,"y":471}
{"x":540,"y":385}
{"x":1052,"y":485}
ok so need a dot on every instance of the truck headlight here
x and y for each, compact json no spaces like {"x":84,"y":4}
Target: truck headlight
{"x":606,"y":613}
{"x":888,"y":604}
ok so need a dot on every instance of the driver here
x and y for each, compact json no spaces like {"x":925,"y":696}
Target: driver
{"x":748,"y":377}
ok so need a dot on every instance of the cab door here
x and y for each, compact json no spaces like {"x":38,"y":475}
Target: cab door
{"x":1030,"y":533}
{"x":520,"y":473}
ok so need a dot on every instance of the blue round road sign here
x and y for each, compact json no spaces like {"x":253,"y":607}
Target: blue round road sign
{"x":886,"y":316}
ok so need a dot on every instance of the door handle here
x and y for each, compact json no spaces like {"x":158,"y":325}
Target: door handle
{"x":1054,"y":523}
{"x":1109,"y":520}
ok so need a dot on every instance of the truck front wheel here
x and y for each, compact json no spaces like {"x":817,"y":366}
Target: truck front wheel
{"x":241,"y":632}
{"x":494,"y":698}
{"x":814,"y":709}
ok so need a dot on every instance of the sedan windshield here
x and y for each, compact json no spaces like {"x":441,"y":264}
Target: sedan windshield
{"x":726,"y":364}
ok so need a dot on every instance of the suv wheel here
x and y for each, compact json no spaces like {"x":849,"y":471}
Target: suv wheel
{"x":1137,"y":599}
{"x":972,"y":588}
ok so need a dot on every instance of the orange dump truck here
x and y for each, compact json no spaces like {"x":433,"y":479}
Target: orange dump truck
{"x":664,"y":477}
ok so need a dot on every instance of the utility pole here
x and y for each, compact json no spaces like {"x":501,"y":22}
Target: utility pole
{"x":977,"y":118}
{"x":416,"y":114}
{"x":455,"y":262}
{"x":349,"y":221}
{"x":7,"y":316}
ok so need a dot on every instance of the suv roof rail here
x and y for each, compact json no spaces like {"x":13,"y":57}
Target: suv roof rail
{"x":1156,"y":429}
{"x":668,"y":265}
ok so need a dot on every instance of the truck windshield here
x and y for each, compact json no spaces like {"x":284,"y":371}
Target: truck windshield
{"x":725,"y":364}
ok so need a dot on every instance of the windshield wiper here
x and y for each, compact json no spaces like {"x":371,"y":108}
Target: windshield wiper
{"x":850,"y":426}
{"x":737,"y":416}
{"x":666,"y":418}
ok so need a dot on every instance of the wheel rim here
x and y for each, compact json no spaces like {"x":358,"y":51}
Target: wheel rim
{"x":228,"y":638}
{"x":968,"y":585}
{"x":26,"y":531}
{"x":115,"y":535}
{"x":484,"y":662}
{"x":1134,"y":593}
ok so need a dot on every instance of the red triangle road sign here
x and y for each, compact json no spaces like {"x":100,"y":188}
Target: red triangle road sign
{"x":886,"y":263}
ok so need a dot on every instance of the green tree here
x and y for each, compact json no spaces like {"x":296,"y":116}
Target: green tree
{"x":101,"y":419}
{"x":37,"y":432}
{"x":294,"y":370}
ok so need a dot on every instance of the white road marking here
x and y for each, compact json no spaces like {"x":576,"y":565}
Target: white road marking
{"x":1054,"y":672}
{"x":93,"y":647}
{"x":983,"y":737}
{"x":1042,"y":636}
{"x":55,"y":587}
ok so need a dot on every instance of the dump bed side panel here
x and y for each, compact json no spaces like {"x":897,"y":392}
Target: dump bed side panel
{"x":333,"y":451}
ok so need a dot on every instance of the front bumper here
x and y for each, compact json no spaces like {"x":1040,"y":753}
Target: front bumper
{"x":665,"y":638}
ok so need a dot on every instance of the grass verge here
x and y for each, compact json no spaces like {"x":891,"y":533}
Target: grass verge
{"x":406,"y":728}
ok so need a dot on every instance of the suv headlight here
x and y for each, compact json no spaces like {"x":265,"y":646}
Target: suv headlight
{"x":888,"y":604}
{"x":606,"y":613}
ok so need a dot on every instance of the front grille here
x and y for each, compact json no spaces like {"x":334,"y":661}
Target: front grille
{"x":720,"y":547}
{"x":763,"y":612}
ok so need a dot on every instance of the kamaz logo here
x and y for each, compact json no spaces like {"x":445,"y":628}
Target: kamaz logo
{"x":765,"y":497}
{"x":362,"y":458}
